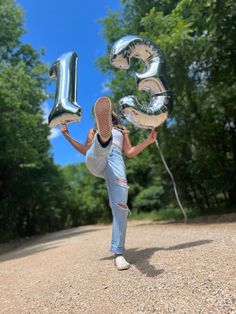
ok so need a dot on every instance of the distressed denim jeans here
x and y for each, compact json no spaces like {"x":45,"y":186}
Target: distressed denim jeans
{"x":107,"y":163}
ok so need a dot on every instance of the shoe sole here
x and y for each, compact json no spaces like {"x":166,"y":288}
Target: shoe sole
{"x":123,"y":268}
{"x":103,"y":112}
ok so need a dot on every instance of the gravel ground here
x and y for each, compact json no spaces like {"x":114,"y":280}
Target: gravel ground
{"x":176,"y":268}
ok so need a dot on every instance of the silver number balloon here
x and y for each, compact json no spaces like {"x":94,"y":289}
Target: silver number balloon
{"x":151,"y":80}
{"x":65,"y":109}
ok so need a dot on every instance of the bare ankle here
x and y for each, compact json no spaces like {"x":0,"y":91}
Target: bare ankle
{"x":104,"y":144}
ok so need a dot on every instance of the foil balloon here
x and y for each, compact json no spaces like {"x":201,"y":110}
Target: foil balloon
{"x":65,"y":109}
{"x":152,"y":80}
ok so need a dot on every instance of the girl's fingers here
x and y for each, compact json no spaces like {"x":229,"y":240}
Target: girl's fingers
{"x":64,"y":128}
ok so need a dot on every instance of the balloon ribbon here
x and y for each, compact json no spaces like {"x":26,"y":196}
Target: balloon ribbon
{"x":173,"y":181}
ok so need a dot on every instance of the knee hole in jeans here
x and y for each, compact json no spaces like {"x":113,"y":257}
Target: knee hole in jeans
{"x":122,"y":182}
{"x":123,"y":206}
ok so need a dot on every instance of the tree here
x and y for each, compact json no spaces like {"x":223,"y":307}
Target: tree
{"x":87,"y":196}
{"x":31,"y":186}
{"x":198,"y":141}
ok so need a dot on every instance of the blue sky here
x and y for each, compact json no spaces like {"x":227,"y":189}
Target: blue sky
{"x":59,"y":27}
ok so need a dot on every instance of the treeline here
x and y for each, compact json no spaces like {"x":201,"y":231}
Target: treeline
{"x":36,"y":195}
{"x":198,"y":141}
{"x":30,"y":183}
{"x":199,"y":138}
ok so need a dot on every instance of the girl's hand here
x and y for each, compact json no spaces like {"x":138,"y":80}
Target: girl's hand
{"x":152,"y":136}
{"x":125,"y":130}
{"x":64,"y":130}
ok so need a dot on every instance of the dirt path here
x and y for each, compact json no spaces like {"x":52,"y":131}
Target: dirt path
{"x":176,"y":268}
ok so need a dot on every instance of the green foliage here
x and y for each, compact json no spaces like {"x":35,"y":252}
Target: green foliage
{"x":87,"y":196}
{"x":170,"y":213}
{"x":32,"y":196}
{"x":199,"y":140}
{"x":10,"y":27}
{"x":148,"y":199}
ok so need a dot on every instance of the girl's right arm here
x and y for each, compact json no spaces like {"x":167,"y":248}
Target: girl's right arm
{"x":78,"y":146}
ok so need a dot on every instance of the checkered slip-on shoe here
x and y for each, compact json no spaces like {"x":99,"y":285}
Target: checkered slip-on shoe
{"x":103,"y":116}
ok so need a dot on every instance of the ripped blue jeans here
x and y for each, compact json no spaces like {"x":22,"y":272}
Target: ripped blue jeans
{"x":107,"y":163}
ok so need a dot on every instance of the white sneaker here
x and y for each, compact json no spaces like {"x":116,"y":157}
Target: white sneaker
{"x":121,"y":262}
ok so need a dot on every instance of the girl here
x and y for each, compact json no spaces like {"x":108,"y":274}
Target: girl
{"x":103,"y":151}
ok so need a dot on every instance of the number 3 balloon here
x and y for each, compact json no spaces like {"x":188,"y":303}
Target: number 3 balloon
{"x":151,"y":80}
{"x":65,"y":109}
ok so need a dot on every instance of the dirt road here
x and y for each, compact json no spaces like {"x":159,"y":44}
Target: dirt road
{"x":176,"y":268}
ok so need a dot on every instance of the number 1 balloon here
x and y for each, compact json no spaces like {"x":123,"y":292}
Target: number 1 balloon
{"x":65,"y":109}
{"x":151,"y":80}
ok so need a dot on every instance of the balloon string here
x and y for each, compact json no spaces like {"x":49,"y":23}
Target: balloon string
{"x":173,"y":181}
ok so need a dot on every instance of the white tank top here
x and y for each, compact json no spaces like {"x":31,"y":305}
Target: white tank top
{"x":117,"y":138}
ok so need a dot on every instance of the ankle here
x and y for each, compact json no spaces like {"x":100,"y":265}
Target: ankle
{"x":103,"y":144}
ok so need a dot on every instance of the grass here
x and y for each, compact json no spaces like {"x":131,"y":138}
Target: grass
{"x":171,"y":213}
{"x":163,"y":214}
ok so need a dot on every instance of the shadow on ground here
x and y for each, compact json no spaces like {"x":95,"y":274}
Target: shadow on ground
{"x":140,"y":258}
{"x":36,"y":244}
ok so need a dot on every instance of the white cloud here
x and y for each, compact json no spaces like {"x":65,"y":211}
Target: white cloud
{"x":46,"y":111}
{"x":54,"y":133}
{"x":105,"y":87}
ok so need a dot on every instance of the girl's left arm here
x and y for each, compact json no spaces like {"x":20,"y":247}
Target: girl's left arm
{"x":131,"y":151}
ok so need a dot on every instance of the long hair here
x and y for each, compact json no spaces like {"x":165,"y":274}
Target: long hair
{"x":116,"y":121}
